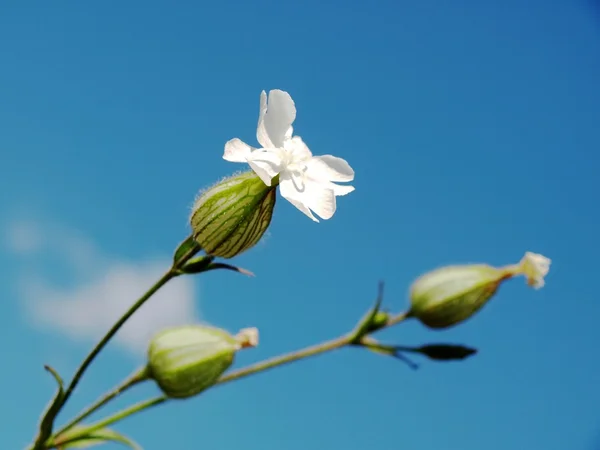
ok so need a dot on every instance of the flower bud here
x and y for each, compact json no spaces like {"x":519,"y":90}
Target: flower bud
{"x":449,"y":295}
{"x":186,"y":360}
{"x":231,"y":217}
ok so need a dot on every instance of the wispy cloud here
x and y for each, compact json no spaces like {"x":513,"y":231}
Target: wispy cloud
{"x":23,"y":238}
{"x":103,"y":287}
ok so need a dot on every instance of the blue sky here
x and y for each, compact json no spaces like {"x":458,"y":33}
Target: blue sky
{"x":473,"y":131}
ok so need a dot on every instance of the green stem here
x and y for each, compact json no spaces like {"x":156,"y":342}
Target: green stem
{"x":41,"y":439}
{"x":113,"y":418}
{"x":146,"y":404}
{"x":287,"y":358}
{"x":235,"y":375}
{"x":168,"y":275}
{"x":262,"y":366}
{"x":136,"y":378}
{"x":400,"y":317}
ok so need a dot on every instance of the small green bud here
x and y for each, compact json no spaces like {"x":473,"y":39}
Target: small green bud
{"x":232,"y":216}
{"x":449,"y":295}
{"x":380,"y":319}
{"x":186,"y":360}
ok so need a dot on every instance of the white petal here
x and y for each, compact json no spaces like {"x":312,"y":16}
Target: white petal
{"x":290,"y":193}
{"x":315,"y":196}
{"x":236,"y":151}
{"x":298,"y":179}
{"x":535,"y":267}
{"x":261,"y":133}
{"x":330,"y":168}
{"x":298,"y":149}
{"x":266,"y":163}
{"x":320,"y":198}
{"x":340,"y":189}
{"x":277,"y":113}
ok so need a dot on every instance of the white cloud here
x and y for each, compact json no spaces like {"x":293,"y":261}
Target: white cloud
{"x":23,"y":238}
{"x":103,"y":289}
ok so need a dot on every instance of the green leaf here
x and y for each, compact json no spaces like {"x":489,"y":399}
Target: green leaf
{"x":214,"y":266}
{"x":78,"y":437}
{"x":53,"y":409}
{"x":374,"y":319}
{"x":198,"y":264}
{"x":386,"y":350}
{"x":186,"y":249}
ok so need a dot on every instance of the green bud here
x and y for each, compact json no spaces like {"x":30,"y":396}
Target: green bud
{"x":186,"y":360}
{"x":231,"y":217}
{"x":449,"y":295}
{"x":380,"y":319}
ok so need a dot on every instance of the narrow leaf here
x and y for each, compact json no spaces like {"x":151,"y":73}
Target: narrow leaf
{"x":78,"y":437}
{"x":387,"y":350}
{"x":53,"y":409}
{"x":373,"y":320}
{"x":214,"y":266}
{"x":197,"y":265}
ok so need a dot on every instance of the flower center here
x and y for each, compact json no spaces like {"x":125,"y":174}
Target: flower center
{"x":292,"y":162}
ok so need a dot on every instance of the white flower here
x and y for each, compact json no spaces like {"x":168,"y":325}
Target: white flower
{"x":535,"y":267}
{"x":305,"y":180}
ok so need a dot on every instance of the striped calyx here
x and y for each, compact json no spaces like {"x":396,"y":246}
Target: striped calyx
{"x":449,"y":295}
{"x":186,"y":360}
{"x":232,"y":216}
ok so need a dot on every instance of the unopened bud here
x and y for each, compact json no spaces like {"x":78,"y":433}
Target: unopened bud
{"x":232,"y":216}
{"x":449,"y":295}
{"x":186,"y":360}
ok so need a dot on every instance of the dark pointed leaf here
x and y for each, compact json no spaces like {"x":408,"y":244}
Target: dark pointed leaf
{"x":445,"y":352}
